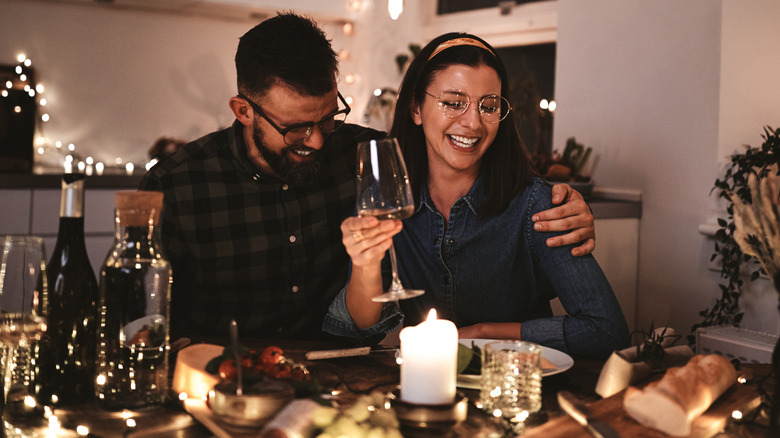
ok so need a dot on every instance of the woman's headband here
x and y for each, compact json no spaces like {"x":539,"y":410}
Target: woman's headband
{"x":459,"y":42}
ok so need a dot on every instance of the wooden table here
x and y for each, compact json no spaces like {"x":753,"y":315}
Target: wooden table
{"x":378,"y":371}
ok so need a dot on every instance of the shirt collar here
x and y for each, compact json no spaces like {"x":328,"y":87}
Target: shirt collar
{"x":474,"y":198}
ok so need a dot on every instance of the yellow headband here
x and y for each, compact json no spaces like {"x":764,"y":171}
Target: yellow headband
{"x":459,"y":42}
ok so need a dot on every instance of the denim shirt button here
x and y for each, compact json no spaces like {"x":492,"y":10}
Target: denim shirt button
{"x":451,"y":241}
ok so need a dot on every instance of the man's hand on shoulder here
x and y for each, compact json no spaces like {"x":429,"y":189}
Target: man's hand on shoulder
{"x":573,"y":215}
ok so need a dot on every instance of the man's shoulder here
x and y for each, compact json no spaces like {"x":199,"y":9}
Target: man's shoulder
{"x":190,"y":157}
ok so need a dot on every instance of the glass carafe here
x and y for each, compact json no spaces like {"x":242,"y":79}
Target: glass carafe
{"x":133,"y":309}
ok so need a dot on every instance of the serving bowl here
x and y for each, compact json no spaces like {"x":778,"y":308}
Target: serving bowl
{"x":258,"y":403}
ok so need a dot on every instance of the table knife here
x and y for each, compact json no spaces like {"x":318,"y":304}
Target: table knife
{"x":581,"y":414}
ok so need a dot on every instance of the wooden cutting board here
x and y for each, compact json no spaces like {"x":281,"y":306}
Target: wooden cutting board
{"x":610,"y":410}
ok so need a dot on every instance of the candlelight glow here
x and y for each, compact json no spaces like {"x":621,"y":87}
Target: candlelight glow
{"x":395,"y":7}
{"x":432,"y":315}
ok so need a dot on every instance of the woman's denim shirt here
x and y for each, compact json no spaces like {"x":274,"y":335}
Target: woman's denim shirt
{"x":497,"y":269}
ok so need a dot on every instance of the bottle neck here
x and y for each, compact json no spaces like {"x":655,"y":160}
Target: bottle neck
{"x":72,"y":199}
{"x":71,"y":228}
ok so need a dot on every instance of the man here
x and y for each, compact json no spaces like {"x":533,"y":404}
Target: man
{"x":252,"y":212}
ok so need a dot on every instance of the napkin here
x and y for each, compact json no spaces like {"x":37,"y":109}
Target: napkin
{"x":623,"y":369}
{"x":293,"y":421}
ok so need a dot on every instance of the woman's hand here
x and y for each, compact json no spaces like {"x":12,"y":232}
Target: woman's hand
{"x":573,"y":215}
{"x":367,"y":238}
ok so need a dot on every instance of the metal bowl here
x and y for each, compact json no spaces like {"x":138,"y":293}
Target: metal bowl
{"x":255,"y":407}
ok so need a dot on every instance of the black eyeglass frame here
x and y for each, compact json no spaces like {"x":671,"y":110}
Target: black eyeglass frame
{"x":470,"y":100}
{"x":309,"y":125}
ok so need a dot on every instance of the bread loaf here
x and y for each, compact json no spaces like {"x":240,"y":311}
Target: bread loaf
{"x":683,"y":393}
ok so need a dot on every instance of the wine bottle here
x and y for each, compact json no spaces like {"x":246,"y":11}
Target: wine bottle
{"x":65,"y":353}
{"x":133,"y":309}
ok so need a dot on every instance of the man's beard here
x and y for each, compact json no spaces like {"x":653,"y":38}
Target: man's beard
{"x":296,"y":174}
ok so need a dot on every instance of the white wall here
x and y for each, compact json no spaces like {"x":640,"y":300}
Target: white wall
{"x":118,"y":79}
{"x":646,"y":84}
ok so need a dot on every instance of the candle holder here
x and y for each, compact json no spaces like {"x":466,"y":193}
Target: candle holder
{"x":429,"y":420}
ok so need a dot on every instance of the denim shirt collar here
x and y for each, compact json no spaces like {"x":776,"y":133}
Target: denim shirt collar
{"x":473,"y":199}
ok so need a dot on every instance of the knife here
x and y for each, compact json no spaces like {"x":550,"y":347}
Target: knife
{"x":581,"y":414}
{"x":344,"y":352}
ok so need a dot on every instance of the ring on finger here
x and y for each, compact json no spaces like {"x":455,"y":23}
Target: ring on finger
{"x":358,"y":236}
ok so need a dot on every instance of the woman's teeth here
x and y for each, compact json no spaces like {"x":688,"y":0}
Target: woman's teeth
{"x":464,"y":142}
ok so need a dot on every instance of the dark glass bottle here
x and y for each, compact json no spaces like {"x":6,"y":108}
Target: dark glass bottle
{"x":65,"y":353}
{"x":133,"y":309}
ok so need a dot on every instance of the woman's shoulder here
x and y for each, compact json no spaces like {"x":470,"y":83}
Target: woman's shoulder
{"x":537,"y":196}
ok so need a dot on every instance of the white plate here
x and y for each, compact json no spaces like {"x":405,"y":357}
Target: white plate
{"x":561,"y":360}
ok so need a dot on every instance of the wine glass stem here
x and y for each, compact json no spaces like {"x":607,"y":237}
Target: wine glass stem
{"x":396,"y":283}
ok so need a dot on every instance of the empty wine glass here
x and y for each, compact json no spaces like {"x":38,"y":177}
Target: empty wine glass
{"x":383,"y":191}
{"x":22,"y":292}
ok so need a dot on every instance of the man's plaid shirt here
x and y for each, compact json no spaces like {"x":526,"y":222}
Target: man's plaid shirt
{"x":247,"y":246}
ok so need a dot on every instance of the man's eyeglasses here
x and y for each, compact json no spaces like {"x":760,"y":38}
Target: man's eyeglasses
{"x":298,"y":133}
{"x":492,"y":108}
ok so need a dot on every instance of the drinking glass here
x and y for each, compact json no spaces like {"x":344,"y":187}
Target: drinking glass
{"x":383,"y":191}
{"x":511,"y":383}
{"x":23,"y":290}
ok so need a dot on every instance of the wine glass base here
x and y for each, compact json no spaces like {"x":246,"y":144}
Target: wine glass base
{"x":395,"y":295}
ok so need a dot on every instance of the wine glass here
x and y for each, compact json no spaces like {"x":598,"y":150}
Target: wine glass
{"x":23,"y":290}
{"x":383,"y":191}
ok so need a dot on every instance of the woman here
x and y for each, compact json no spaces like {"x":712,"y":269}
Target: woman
{"x":471,"y":243}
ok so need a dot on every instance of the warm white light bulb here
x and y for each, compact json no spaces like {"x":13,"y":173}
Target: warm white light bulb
{"x":349,"y":100}
{"x":349,"y":79}
{"x":41,"y":150}
{"x":553,"y":105}
{"x":21,"y":57}
{"x":378,"y":92}
{"x":39,"y":88}
{"x":18,"y":69}
{"x":45,"y":117}
{"x":71,"y":147}
{"x":27,"y":62}
{"x":347,"y":28}
{"x":9,"y":84}
{"x":395,"y":7}
{"x":43,"y":102}
{"x":544,"y":104}
{"x":4,"y":93}
{"x":23,"y":78}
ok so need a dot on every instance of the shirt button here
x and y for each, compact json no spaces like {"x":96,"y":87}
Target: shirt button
{"x":285,"y":187}
{"x":292,"y":239}
{"x":295,"y":289}
{"x":451,"y":241}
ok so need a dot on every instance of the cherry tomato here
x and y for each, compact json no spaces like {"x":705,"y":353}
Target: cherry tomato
{"x":282,"y":371}
{"x":300,"y":374}
{"x":247,"y":363}
{"x":228,"y":370}
{"x":271,"y":355}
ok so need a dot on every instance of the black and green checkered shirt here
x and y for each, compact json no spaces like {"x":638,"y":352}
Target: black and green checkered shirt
{"x":247,"y":246}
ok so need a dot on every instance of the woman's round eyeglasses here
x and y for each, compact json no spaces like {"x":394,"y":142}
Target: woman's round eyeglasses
{"x":298,"y":133}
{"x":492,"y":108}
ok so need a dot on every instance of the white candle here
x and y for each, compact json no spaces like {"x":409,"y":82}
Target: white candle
{"x":430,"y":359}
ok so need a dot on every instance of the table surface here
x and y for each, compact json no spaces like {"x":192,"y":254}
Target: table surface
{"x":355,"y":376}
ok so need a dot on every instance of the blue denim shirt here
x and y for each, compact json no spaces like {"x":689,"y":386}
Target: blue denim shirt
{"x":497,"y":269}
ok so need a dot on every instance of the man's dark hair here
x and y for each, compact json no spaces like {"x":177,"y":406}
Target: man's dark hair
{"x":287,"y":48}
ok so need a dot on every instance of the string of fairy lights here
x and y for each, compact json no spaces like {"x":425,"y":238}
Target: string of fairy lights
{"x":69,"y":158}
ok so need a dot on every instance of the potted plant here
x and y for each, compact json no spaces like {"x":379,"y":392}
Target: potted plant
{"x":735,"y":185}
